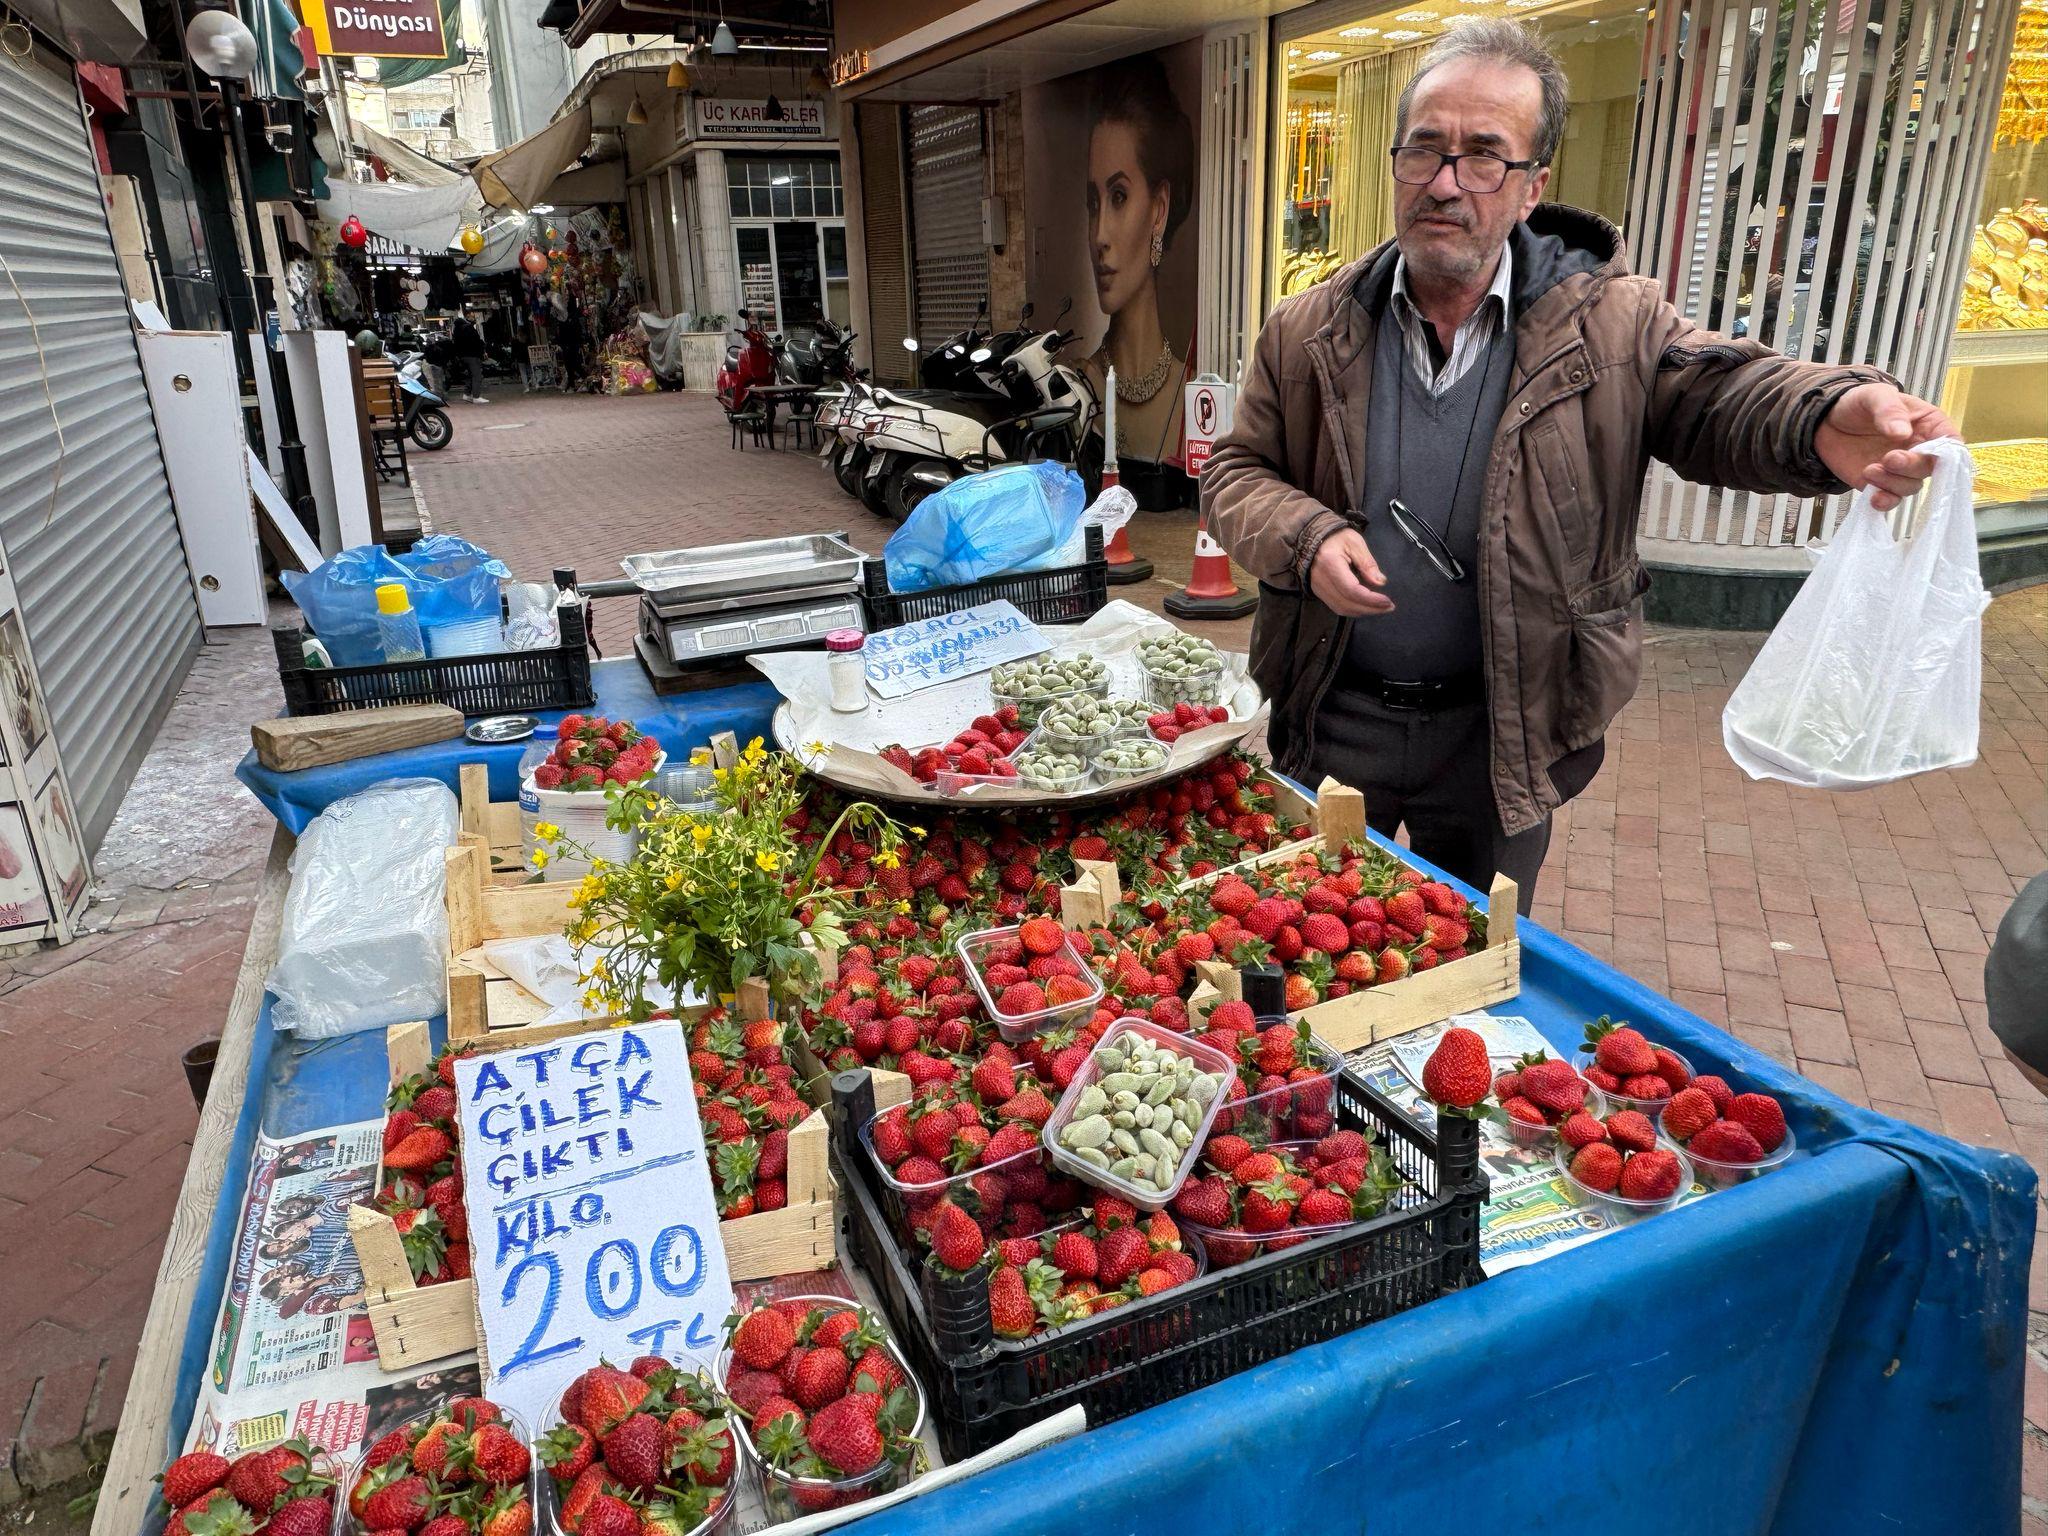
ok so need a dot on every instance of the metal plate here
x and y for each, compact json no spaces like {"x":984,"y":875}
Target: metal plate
{"x":502,"y":728}
{"x":736,"y":634}
{"x":757,"y":565}
{"x":671,"y":606}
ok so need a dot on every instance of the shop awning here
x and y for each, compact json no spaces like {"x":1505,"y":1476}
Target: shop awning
{"x":424,"y":218}
{"x":404,"y":163}
{"x":519,"y":177}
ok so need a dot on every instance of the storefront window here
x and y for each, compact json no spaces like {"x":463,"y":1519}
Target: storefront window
{"x":765,"y":187}
{"x":1998,"y":378}
{"x":1340,"y":81}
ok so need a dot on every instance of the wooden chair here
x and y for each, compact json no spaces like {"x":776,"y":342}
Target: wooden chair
{"x":384,"y":414}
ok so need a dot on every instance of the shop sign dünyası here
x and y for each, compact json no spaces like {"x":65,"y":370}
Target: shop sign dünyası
{"x":377,"y":29}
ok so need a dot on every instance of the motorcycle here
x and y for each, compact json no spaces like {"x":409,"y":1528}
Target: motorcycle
{"x":749,"y":363}
{"x":828,"y":357}
{"x":426,"y":421}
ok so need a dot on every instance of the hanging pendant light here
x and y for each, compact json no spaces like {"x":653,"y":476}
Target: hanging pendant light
{"x":678,"y":77}
{"x":723,"y":44}
{"x":636,"y":115}
{"x":771,"y":109}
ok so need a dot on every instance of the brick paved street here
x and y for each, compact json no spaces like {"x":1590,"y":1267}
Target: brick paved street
{"x":1843,"y":934}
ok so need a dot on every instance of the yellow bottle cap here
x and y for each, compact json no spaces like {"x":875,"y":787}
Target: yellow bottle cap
{"x":393,"y":598}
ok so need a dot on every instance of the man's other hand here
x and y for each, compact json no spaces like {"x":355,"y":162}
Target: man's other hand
{"x":1346,"y":579}
{"x":1865,"y":439}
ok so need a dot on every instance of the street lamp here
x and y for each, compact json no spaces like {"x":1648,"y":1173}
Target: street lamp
{"x":221,"y":45}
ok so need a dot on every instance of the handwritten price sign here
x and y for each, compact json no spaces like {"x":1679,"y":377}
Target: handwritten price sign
{"x":914,"y":656}
{"x":592,"y":1223}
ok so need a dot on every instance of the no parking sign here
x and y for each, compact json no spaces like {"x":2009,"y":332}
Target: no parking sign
{"x":1210,"y":407}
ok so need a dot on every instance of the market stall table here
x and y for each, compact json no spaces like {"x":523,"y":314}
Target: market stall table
{"x":1836,"y":1347}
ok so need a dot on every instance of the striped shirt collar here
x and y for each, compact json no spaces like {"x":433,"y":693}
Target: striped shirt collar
{"x":1469,"y":346}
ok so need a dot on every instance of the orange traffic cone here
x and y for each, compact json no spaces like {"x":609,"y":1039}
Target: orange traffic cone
{"x":1124,"y":567}
{"x":1210,"y":593}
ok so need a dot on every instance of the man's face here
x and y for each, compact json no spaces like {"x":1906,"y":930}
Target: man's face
{"x":1464,"y":107}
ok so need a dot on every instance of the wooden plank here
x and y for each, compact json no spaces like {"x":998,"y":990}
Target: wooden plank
{"x":409,"y":1049}
{"x":1492,"y":975}
{"x":127,"y":1496}
{"x":809,"y":1177}
{"x":427,"y":1323}
{"x":1341,"y":821}
{"x":309,"y":741}
{"x":468,"y":1014}
{"x":784,"y":1242}
{"x":474,"y":796}
{"x":381,"y":1252}
{"x":752,"y":1002}
{"x":463,"y":870}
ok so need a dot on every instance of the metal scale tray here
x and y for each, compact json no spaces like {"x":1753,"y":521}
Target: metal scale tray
{"x":714,"y":604}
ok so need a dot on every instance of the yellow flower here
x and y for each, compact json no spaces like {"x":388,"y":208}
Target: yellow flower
{"x":540,"y":858}
{"x":584,"y":931}
{"x":917,"y":831}
{"x":815,"y":748}
{"x":718,"y":774}
{"x":674,"y":879}
{"x":903,"y":907}
{"x":546,"y":831}
{"x":755,"y":751}
{"x":888,"y":858}
{"x":590,"y":888}
{"x":593,"y":1001}
{"x":767,"y":860}
{"x":701,"y":834}
{"x":700,"y":757}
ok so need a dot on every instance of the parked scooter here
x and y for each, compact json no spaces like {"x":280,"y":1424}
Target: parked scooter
{"x":749,"y":363}
{"x":426,"y":422}
{"x":828,"y":358}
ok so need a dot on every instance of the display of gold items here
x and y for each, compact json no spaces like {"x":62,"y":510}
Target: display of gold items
{"x":2006,"y":287}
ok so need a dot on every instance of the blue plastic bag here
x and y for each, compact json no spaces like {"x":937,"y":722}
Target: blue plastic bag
{"x":982,"y":525}
{"x":452,"y":580}
{"x":339,"y":599}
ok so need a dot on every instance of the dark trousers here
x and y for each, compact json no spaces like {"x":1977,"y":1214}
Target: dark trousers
{"x":1431,"y":771}
{"x":474,"y":367}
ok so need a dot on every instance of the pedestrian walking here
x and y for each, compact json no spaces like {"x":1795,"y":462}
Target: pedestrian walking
{"x":468,"y":345}
{"x":1437,"y":462}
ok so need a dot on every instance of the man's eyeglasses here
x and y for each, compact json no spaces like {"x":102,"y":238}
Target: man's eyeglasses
{"x":1426,"y":539}
{"x":1417,"y":165}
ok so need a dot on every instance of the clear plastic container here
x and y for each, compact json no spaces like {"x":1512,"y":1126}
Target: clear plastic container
{"x":1716,"y":1174}
{"x":1301,"y":1111}
{"x":1190,"y":1244}
{"x":1654,"y":1108}
{"x":722,"y":1505}
{"x":1029,"y":709}
{"x":536,"y":753}
{"x":1618,"y":1207}
{"x":1135,"y":715}
{"x":1206,"y":1058}
{"x":1526,"y":1135}
{"x":1226,"y":1248}
{"x":787,"y":1497}
{"x":345,"y":1521}
{"x":1050,"y":784}
{"x":910,"y":1205}
{"x":973,"y":950}
{"x":1156,"y":759}
{"x":1169,"y":689}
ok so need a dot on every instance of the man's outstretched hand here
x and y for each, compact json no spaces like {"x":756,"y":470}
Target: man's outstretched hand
{"x":1346,"y":578}
{"x":1865,"y":440}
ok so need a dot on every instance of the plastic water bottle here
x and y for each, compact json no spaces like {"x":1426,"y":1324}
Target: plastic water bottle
{"x":398,"y":627}
{"x":536,"y":753}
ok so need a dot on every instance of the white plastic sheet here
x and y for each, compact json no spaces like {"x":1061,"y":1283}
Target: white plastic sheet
{"x":552,"y":970}
{"x":1874,"y":673}
{"x":364,"y":942}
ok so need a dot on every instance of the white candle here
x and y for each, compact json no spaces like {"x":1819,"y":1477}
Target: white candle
{"x":1109,"y":422}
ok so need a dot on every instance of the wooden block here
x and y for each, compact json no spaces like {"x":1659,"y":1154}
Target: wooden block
{"x":725,"y":750}
{"x":827,"y":956}
{"x":1223,"y":978}
{"x":381,"y":1252}
{"x":427,"y":1323}
{"x":1081,"y":903}
{"x":753,"y":1003}
{"x":1340,"y":814}
{"x":474,"y":796}
{"x":1201,"y":1000}
{"x":809,"y":1176}
{"x":1502,"y":900}
{"x":1108,"y":881}
{"x":788,"y":1241}
{"x":408,"y":1049}
{"x":464,"y":868}
{"x":309,"y":741}
{"x":468,"y":1014}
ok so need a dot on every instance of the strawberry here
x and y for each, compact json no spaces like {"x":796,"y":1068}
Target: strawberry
{"x":566,"y":1450}
{"x":510,"y":1513}
{"x":608,"y":1397}
{"x":1041,"y":935}
{"x":1224,"y":1151}
{"x":1651,"y":1175}
{"x":1581,"y":1130}
{"x":1554,"y":1086}
{"x":1631,"y":1130}
{"x":1597,"y":1166}
{"x":445,"y":1525}
{"x":435,"y":1103}
{"x":498,"y":1456}
{"x":420,"y":1151}
{"x":875,"y":1371}
{"x":1762,"y":1116}
{"x":1119,"y":1255}
{"x":822,"y":1376}
{"x":1010,"y":1311}
{"x":1524,"y":1111}
{"x":309,"y":1515}
{"x":1323,"y":1208}
{"x":1394,"y":965}
{"x":261,"y":1480}
{"x":763,"y":1337}
{"x":1029,"y":1105}
{"x":1074,"y":1253}
{"x":1620,"y":1049}
{"x":845,"y":1436}
{"x":1647,"y":1086}
{"x":1204,"y":1201}
{"x":1021,"y":997}
{"x":213,"y":1513}
{"x":1325,"y":931}
{"x":957,"y":1241}
{"x":402,"y":1504}
{"x":194,"y":1473}
{"x":608,"y":1515}
{"x":1717,"y":1089}
{"x":1670,"y":1068}
{"x":634,"y":1452}
{"x":1688,"y":1112}
{"x":435,"y":1451}
{"x":1726,"y":1141}
{"x":1405,"y":909}
{"x":1458,"y":1074}
{"x":588,"y":1488}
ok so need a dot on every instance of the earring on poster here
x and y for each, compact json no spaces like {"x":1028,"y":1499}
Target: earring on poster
{"x":1158,"y":247}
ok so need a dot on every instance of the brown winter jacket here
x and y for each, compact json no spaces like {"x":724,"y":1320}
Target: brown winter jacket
{"x":1606,"y":376}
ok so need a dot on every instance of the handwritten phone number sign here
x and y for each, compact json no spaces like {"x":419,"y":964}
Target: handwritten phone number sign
{"x":593,"y":1228}
{"x":952,"y":645}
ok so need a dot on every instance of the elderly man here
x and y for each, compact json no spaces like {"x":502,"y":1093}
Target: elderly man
{"x":1437,"y":462}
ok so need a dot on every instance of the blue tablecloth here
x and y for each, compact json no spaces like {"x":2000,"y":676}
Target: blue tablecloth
{"x":1834,"y":1348}
{"x":678,"y":721}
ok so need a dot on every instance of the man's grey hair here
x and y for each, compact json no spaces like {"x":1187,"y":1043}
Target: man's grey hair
{"x":1507,"y":42}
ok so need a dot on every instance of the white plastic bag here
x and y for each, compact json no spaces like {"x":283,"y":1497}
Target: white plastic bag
{"x":364,"y":941}
{"x":552,"y":970}
{"x":1874,"y":672}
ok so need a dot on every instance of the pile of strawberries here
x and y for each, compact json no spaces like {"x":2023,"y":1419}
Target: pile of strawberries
{"x":647,"y":1451}
{"x":1714,"y":1122}
{"x":1171,"y":724}
{"x":1620,"y":1156}
{"x":1255,"y":1200}
{"x":823,"y":1400}
{"x":1113,"y":1254}
{"x":591,"y":752}
{"x":1626,"y":1063}
{"x":1031,"y":970}
{"x":460,"y":1470}
{"x":1539,"y":1092}
{"x":282,"y":1491}
{"x":748,"y":1102}
{"x":983,"y":749}
{"x":422,"y":1175}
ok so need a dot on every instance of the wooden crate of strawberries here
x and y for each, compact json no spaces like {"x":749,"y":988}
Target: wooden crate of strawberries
{"x":1402,"y":993}
{"x":412,"y":1242}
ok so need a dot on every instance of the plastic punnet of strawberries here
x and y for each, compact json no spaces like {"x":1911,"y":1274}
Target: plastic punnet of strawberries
{"x":1538,"y":1094}
{"x":645,"y":1451}
{"x":422,"y":1175}
{"x":1625,"y":1065}
{"x":591,"y":752}
{"x":1032,"y":978}
{"x":1113,"y":1255}
{"x":983,"y":750}
{"x":828,"y":1409}
{"x":462,"y":1469}
{"x":748,"y":1103}
{"x":285,"y":1490}
{"x":1249,"y":1201}
{"x":1725,"y":1132}
{"x":1621,"y":1157}
{"x":1285,"y":1088}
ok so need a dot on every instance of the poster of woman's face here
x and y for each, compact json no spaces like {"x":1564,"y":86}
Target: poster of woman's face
{"x":1121,"y":242}
{"x":30,"y":723}
{"x":22,"y":903}
{"x":67,"y":855}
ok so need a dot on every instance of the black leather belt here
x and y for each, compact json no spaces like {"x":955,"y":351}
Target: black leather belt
{"x":1422,"y":697}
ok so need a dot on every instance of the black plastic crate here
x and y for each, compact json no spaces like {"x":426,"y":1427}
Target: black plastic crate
{"x":984,"y":1389}
{"x":501,"y":683}
{"x":1064,"y":596}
